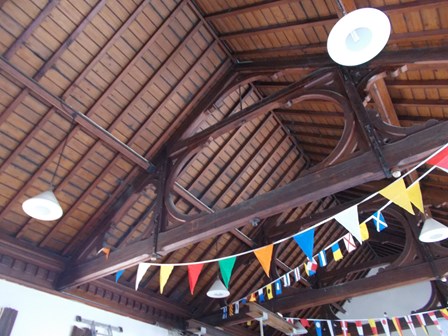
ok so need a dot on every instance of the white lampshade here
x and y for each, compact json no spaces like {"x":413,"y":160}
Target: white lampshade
{"x":218,"y":290}
{"x":44,"y":206}
{"x":433,"y":231}
{"x":358,"y":36}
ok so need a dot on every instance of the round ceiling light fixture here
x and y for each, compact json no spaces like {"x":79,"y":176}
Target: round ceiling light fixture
{"x":44,"y":206}
{"x":358,"y":36}
{"x":433,"y":231}
{"x":218,"y":290}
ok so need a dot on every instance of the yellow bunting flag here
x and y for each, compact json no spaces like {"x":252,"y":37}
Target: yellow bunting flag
{"x":165,"y":272}
{"x":337,"y":254}
{"x":364,"y":231}
{"x":415,"y":196}
{"x":444,"y":313}
{"x":269,"y":292}
{"x":372,"y":324}
{"x":398,"y":194}
{"x":264,"y":256}
{"x":252,"y":297}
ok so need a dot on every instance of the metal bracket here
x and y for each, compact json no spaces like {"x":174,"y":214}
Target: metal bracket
{"x":93,"y":325}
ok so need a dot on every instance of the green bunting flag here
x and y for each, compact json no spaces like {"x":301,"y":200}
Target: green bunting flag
{"x":226,"y":267}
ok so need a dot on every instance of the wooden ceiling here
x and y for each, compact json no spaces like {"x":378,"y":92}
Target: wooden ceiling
{"x":187,"y":130}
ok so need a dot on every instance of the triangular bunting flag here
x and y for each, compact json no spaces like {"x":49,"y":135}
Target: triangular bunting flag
{"x":318,"y":328}
{"x":415,"y":196}
{"x":337,"y":254}
{"x":440,"y":159}
{"x":264,"y":256}
{"x":330,"y":328}
{"x":305,"y":240}
{"x":378,"y":220}
{"x":237,"y":307}
{"x":359,"y":328}
{"x":118,"y":275}
{"x":344,"y":328}
{"x":278,"y":287}
{"x":311,"y":267}
{"x":224,"y":312}
{"x":226,"y":267}
{"x":410,"y":323}
{"x":322,"y":258}
{"x":385,"y":326}
{"x":260,"y":295}
{"x":397,"y":325}
{"x":193,"y":275}
{"x":230,"y":310}
{"x":297,"y":274}
{"x":349,"y":242}
{"x":349,"y":219}
{"x":396,"y":192}
{"x":141,"y":270}
{"x":105,"y":250}
{"x":434,"y":320}
{"x":364,"y":231}
{"x":372,"y":324}
{"x":444,"y":313}
{"x":305,"y":323}
{"x":286,"y":280}
{"x":252,"y":297}
{"x":269,"y":293}
{"x":165,"y":272}
{"x":421,"y":320}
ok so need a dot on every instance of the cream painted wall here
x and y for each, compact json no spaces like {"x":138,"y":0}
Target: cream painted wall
{"x":42,"y":314}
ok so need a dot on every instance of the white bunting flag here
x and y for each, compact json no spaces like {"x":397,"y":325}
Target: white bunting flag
{"x":297,"y":274}
{"x":349,"y":219}
{"x":349,"y":242}
{"x":385,"y":326}
{"x":410,"y":323}
{"x":286,"y":280}
{"x":237,"y":307}
{"x":330,"y":327}
{"x":434,"y":319}
{"x":141,"y":270}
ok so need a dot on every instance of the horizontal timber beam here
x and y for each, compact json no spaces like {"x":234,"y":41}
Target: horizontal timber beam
{"x":309,"y":298}
{"x":85,"y":122}
{"x":316,"y":185}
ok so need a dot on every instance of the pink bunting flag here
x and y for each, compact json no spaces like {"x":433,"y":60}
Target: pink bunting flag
{"x":440,"y":160}
{"x":193,"y":275}
{"x":410,"y":323}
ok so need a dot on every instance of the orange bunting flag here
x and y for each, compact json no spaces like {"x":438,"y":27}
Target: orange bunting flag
{"x":165,"y":272}
{"x":193,"y":275}
{"x":264,"y":256}
{"x":397,"y":325}
{"x":398,"y":194}
{"x":415,"y":196}
{"x":106,"y":251}
{"x":444,"y":313}
{"x":364,"y":231}
{"x":252,"y":298}
{"x":141,"y":270}
{"x":372,"y":324}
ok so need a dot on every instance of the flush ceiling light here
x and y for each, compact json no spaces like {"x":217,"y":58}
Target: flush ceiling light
{"x":218,"y":290}
{"x":358,"y":36}
{"x":44,"y":206}
{"x":433,"y":231}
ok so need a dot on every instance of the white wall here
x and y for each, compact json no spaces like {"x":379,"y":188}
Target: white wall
{"x":42,"y":314}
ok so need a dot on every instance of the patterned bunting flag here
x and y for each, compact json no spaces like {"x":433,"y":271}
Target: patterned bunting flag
{"x":318,"y":328}
{"x":165,"y":272}
{"x":322,"y":258}
{"x":252,"y":297}
{"x":311,"y":267}
{"x":269,"y":293}
{"x":378,"y":220}
{"x":193,"y":275}
{"x":421,"y":320}
{"x":396,"y":192}
{"x":444,"y":313}
{"x":230,"y":309}
{"x":305,"y":323}
{"x":224,"y":312}
{"x":359,"y":328}
{"x":440,"y":159}
{"x":260,"y":295}
{"x":372,"y":324}
{"x":344,"y":328}
{"x":385,"y":326}
{"x":226,"y":267}
{"x":434,"y":319}
{"x":349,"y":242}
{"x":237,"y":307}
{"x":297,"y":274}
{"x":141,"y":270}
{"x":364,"y":231}
{"x":397,"y":325}
{"x":278,"y":287}
{"x":286,"y":280}
{"x":118,"y":275}
{"x":415,"y":196}
{"x":349,"y":219}
{"x":337,"y":254}
{"x":305,"y":240}
{"x":264,"y":256}
{"x":410,"y":323}
{"x":330,"y":327}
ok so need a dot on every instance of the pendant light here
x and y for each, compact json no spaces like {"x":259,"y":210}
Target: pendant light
{"x":45,"y":206}
{"x":218,"y":290}
{"x":433,"y":231}
{"x":358,"y":36}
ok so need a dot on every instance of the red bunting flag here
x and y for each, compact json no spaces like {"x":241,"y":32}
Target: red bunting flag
{"x":436,"y":322}
{"x":359,"y":328}
{"x":372,"y":324}
{"x":193,"y":275}
{"x":440,"y":160}
{"x":305,"y":323}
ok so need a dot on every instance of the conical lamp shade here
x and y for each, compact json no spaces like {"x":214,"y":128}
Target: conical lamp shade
{"x":44,"y":206}
{"x":358,"y":36}
{"x":218,"y":290}
{"x":433,"y":231}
